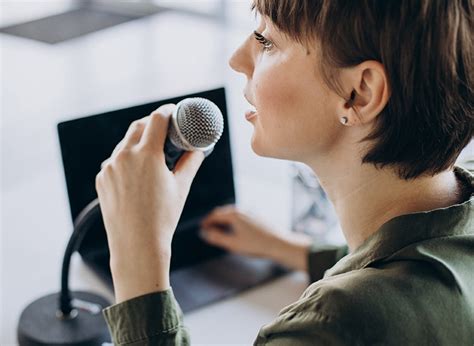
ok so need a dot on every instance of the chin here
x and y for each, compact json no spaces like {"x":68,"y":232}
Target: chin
{"x":258,"y":147}
{"x":265,"y":150}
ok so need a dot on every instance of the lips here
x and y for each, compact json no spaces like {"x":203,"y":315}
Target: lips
{"x":250,"y":114}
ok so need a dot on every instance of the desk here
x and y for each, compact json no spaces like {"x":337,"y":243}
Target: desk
{"x":157,"y":57}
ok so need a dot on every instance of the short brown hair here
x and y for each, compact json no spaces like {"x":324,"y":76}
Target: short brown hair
{"x":427,"y":50}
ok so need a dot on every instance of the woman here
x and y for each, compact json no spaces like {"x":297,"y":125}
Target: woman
{"x":377,"y":98}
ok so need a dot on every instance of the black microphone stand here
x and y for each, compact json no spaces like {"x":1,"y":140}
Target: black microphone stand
{"x":67,"y":318}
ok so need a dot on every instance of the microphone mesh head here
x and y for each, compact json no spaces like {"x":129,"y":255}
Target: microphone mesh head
{"x":199,"y":121}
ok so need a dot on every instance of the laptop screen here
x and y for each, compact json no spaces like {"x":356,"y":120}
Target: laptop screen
{"x":86,"y":142}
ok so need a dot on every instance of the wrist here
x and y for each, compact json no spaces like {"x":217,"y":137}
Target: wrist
{"x":276,"y":245}
{"x":135,"y":274}
{"x":291,"y":250}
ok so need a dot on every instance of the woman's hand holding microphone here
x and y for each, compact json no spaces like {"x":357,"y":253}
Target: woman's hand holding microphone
{"x":141,"y":202}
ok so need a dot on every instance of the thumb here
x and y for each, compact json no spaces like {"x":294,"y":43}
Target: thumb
{"x":187,"y":166}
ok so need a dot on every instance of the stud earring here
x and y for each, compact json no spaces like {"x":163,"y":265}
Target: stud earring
{"x":344,"y":120}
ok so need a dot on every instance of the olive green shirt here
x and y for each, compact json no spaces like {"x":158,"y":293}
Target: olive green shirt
{"x":410,"y":283}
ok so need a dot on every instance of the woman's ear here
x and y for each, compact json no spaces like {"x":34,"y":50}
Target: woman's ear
{"x":370,"y":92}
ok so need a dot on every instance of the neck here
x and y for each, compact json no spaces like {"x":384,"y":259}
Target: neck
{"x":365,"y":197}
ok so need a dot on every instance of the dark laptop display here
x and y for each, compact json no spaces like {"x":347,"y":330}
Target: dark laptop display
{"x":86,"y":142}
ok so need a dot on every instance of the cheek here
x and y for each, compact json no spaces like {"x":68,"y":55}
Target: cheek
{"x":294,"y":113}
{"x":278,"y":101}
{"x":276,"y":94}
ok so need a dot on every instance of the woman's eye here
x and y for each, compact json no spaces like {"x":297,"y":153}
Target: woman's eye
{"x":266,"y":43}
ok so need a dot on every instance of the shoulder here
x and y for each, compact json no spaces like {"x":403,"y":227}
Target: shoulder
{"x":360,"y":305}
{"x":344,"y":309}
{"x":387,"y":295}
{"x":396,"y":303}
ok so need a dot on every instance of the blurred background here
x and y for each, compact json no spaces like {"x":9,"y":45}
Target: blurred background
{"x":90,"y":57}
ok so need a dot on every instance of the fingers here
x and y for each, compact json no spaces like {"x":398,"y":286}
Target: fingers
{"x":104,"y":163}
{"x":156,"y":128}
{"x":133,"y":135}
{"x":120,"y":144}
{"x":215,"y":236}
{"x":149,"y":129}
{"x":187,"y":166}
{"x":221,"y":215}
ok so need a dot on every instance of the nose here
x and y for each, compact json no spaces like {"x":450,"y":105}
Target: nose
{"x":242,"y":61}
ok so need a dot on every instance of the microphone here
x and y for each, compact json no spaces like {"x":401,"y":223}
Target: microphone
{"x":196,"y":124}
{"x":75,"y":318}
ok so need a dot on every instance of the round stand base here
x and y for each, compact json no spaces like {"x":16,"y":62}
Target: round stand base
{"x":40,"y":324}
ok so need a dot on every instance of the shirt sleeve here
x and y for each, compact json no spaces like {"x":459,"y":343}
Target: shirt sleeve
{"x":323,"y":257}
{"x":151,"y":319}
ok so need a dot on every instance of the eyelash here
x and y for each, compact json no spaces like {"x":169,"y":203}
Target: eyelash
{"x":266,"y":43}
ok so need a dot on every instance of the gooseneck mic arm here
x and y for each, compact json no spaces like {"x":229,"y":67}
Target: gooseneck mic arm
{"x":81,"y":226}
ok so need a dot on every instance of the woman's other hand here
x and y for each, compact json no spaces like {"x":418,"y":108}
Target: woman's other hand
{"x":239,"y":232}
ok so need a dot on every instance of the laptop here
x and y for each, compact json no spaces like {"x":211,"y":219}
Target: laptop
{"x":200,"y":273}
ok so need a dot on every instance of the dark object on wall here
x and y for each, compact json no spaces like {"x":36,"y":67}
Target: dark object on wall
{"x":84,"y":19}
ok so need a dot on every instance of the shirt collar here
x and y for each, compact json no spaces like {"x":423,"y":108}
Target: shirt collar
{"x":407,"y":229}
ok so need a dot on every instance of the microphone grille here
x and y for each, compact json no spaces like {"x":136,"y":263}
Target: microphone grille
{"x":199,"y":121}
